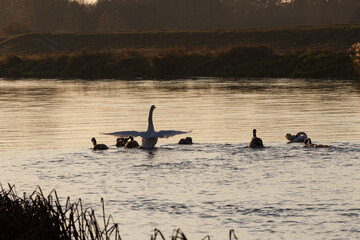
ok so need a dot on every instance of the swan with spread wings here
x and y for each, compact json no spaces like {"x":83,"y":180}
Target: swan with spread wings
{"x":150,"y":137}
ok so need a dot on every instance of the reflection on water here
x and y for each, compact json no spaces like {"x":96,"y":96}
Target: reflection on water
{"x":281,"y":192}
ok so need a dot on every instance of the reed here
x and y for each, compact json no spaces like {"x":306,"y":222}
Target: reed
{"x":37,"y":217}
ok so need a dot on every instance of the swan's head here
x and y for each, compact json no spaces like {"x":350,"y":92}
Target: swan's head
{"x":131,"y":138}
{"x":307,"y":141}
{"x":93,"y":141}
{"x":152,"y":107}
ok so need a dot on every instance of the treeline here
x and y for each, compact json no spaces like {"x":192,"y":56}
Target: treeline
{"x":20,"y":16}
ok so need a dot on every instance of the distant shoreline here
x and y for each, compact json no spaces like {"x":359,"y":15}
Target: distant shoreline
{"x":294,"y":52}
{"x":231,"y":62}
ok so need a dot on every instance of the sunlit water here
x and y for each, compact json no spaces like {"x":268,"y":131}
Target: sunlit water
{"x":284,"y":191}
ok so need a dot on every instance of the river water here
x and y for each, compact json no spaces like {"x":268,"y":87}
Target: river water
{"x":283,"y":191}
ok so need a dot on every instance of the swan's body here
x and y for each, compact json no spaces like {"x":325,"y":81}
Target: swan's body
{"x":299,"y":137}
{"x":255,"y":141}
{"x":132,"y":143}
{"x":187,"y":140}
{"x":98,"y":146}
{"x":150,"y":137}
{"x":308,"y":144}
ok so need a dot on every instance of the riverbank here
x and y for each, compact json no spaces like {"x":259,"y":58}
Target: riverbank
{"x":329,"y":37}
{"x":296,"y":52}
{"x":235,"y":61}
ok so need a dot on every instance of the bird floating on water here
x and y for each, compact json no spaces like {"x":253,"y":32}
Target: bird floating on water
{"x":99,"y":146}
{"x":187,"y":140}
{"x":308,"y":144}
{"x":132,"y":143}
{"x":121,"y":142}
{"x":150,"y":136}
{"x":299,"y":137}
{"x":255,"y":141}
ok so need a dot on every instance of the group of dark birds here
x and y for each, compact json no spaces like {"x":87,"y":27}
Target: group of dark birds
{"x":129,"y":142}
{"x":299,"y":137}
{"x":256,"y":142}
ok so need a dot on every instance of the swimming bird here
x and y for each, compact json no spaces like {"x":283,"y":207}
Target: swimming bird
{"x":255,"y":141}
{"x":99,"y":146}
{"x":150,"y":136}
{"x":132,"y":143}
{"x":121,"y":142}
{"x":187,"y":140}
{"x":308,"y":144}
{"x":299,"y":137}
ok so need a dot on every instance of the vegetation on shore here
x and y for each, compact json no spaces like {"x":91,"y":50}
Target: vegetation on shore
{"x":19,"y":16}
{"x":285,"y":39}
{"x":234,"y":61}
{"x":37,"y":217}
{"x":296,"y":52}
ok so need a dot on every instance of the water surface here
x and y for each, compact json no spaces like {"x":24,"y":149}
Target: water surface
{"x":281,"y":192}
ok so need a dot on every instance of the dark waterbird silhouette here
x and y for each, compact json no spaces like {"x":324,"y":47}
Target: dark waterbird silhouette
{"x":99,"y":146}
{"x":187,"y":140}
{"x":308,"y":144}
{"x":255,"y":141}
{"x":132,"y":143}
{"x":121,"y":142}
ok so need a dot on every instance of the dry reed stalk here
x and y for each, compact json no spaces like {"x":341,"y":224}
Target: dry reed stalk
{"x":39,"y":217}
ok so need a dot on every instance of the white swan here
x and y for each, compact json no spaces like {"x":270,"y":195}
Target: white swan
{"x":150,"y":137}
{"x":299,"y":137}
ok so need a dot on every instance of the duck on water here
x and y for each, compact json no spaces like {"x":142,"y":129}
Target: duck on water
{"x":255,"y":141}
{"x":309,"y":144}
{"x":150,"y":136}
{"x":98,"y":146}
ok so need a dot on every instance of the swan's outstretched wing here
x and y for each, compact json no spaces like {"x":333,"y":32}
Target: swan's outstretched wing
{"x":168,"y":133}
{"x":127,"y":134}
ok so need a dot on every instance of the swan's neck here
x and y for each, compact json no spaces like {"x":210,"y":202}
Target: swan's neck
{"x":150,"y":121}
{"x":254,"y":133}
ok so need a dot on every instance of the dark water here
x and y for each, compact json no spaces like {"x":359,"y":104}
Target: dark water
{"x":284,"y":191}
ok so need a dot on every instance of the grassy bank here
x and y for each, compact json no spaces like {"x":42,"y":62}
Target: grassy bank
{"x":234,"y":61}
{"x":331,"y":37}
{"x":296,"y":52}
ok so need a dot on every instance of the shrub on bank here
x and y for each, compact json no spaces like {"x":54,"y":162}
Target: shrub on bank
{"x":236,"y":61}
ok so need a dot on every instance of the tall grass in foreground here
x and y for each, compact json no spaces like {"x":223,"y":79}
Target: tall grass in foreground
{"x":39,"y":217}
{"x":36,"y":217}
{"x":234,"y":61}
